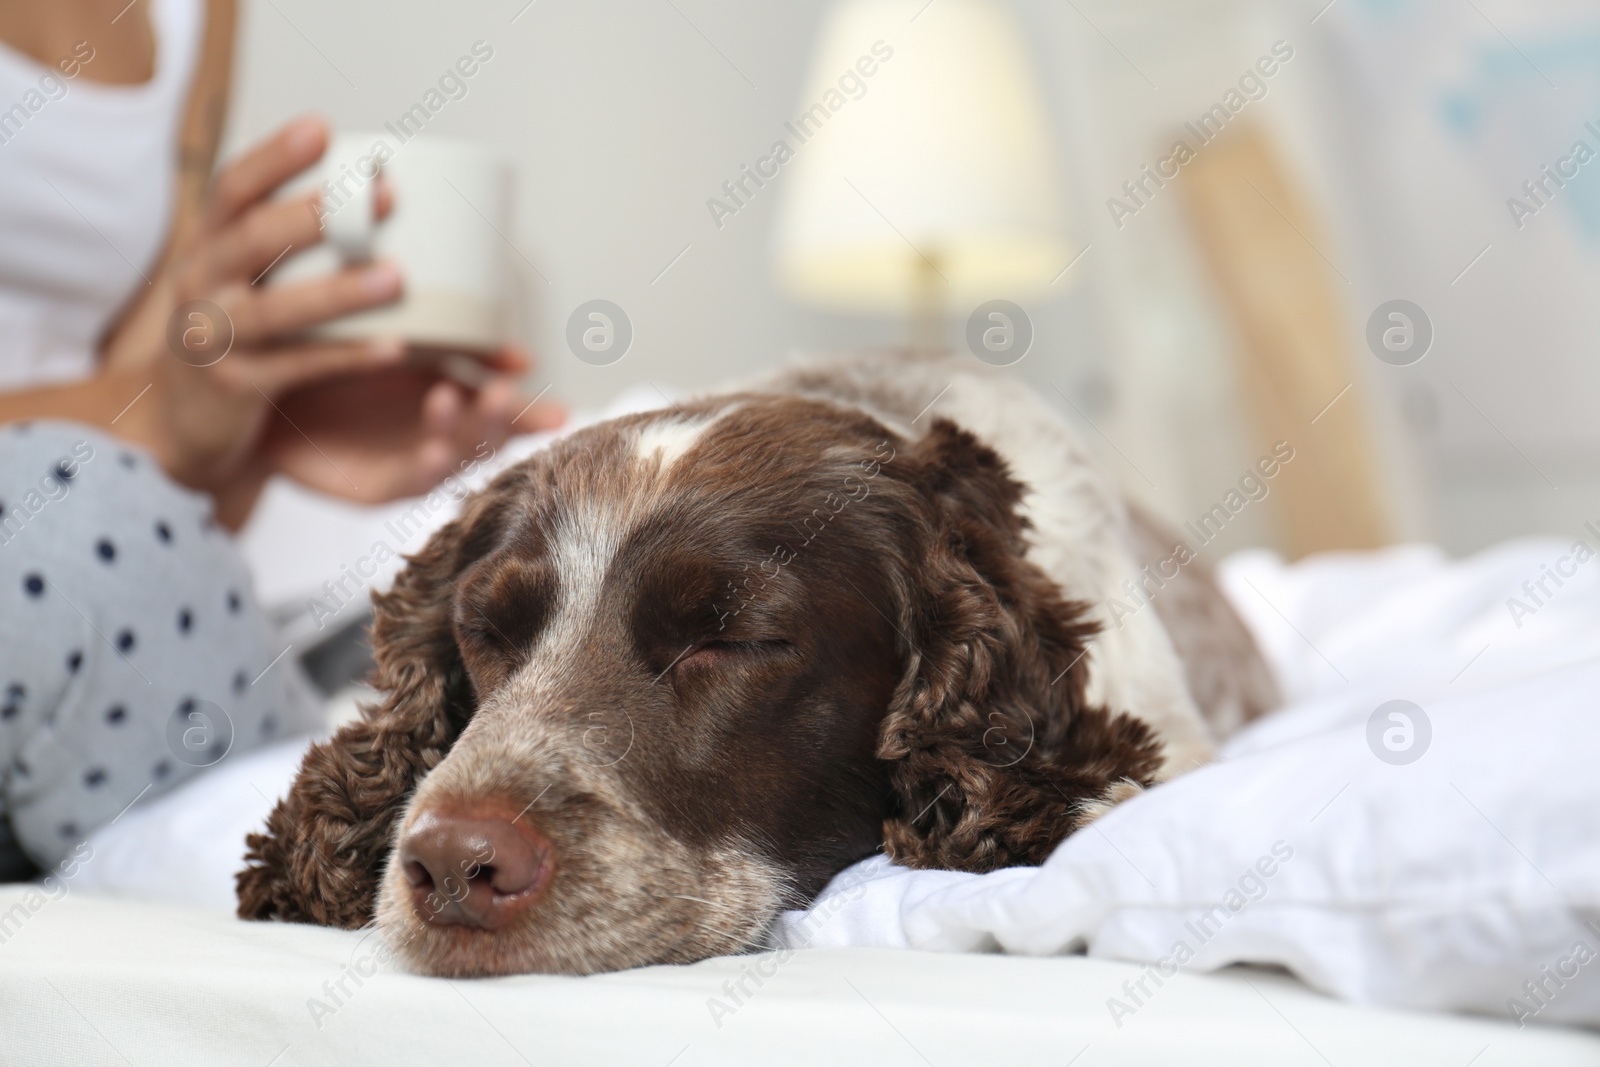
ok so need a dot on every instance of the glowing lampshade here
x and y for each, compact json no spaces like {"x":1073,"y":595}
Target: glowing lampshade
{"x":928,"y":181}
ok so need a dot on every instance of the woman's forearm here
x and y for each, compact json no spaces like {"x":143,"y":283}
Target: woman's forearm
{"x":103,"y":401}
{"x":120,"y":402}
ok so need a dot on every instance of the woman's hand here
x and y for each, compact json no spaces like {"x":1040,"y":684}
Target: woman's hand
{"x":212,"y":345}
{"x":397,"y":432}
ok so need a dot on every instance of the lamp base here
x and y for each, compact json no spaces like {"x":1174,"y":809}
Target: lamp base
{"x":928,"y":327}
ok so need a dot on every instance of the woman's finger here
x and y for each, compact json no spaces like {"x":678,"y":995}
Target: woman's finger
{"x":539,"y":416}
{"x":441,"y":410}
{"x":487,"y":418}
{"x":266,"y":166}
{"x":273,"y":311}
{"x":261,"y":237}
{"x":279,"y":371}
{"x":522,"y":414}
{"x":383,"y":199}
{"x":510,"y":359}
{"x":268,"y":233}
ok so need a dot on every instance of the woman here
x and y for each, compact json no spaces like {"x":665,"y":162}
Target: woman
{"x":130,"y":652}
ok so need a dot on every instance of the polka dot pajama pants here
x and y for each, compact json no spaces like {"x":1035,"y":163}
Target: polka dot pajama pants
{"x":132,"y":656}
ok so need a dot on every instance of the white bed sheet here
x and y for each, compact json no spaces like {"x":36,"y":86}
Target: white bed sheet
{"x":89,"y":981}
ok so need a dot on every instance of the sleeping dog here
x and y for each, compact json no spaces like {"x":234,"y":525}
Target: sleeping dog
{"x":672,"y":674}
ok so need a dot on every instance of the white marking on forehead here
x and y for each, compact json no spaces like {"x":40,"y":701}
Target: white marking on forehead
{"x":673,"y":435}
{"x":586,"y":541}
{"x":670,"y":438}
{"x":585,"y":535}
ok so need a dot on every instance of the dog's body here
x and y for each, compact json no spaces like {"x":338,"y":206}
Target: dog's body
{"x":673,"y":673}
{"x":1087,"y":538}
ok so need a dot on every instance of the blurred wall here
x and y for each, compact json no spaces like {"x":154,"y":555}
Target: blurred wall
{"x":625,"y":115}
{"x":623,"y":118}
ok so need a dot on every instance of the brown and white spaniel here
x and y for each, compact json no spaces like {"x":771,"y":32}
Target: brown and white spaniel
{"x":675,"y":672}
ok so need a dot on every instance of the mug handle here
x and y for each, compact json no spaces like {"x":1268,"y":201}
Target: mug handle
{"x":352,"y":230}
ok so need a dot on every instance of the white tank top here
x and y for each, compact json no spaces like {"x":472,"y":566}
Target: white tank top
{"x":87,"y":181}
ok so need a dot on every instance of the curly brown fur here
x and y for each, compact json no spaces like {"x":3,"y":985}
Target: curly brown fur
{"x":995,"y":753}
{"x":325,"y":843}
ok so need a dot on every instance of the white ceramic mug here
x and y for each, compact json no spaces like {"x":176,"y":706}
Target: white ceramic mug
{"x":452,"y":204}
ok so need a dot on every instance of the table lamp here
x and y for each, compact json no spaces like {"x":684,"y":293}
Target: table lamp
{"x":921,"y":176}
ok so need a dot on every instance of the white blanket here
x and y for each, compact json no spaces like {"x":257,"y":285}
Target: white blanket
{"x":1461,"y":879}
{"x":1453,"y":879}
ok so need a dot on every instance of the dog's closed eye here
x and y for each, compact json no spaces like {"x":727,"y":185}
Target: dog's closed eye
{"x":716,"y":655}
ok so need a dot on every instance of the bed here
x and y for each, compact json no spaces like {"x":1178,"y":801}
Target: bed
{"x":90,"y":980}
{"x":1395,"y":905}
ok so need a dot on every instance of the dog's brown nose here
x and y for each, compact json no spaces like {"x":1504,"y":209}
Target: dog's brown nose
{"x":475,"y":868}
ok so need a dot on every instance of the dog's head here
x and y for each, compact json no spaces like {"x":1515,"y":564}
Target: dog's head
{"x":681,"y":668}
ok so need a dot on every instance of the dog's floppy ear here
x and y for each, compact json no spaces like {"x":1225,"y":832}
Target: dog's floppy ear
{"x":996,"y":755}
{"x":323,"y":851}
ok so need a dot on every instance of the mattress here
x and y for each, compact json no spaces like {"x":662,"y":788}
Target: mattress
{"x":90,"y":980}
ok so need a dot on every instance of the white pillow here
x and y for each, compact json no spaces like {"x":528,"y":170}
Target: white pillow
{"x":1446,"y":883}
